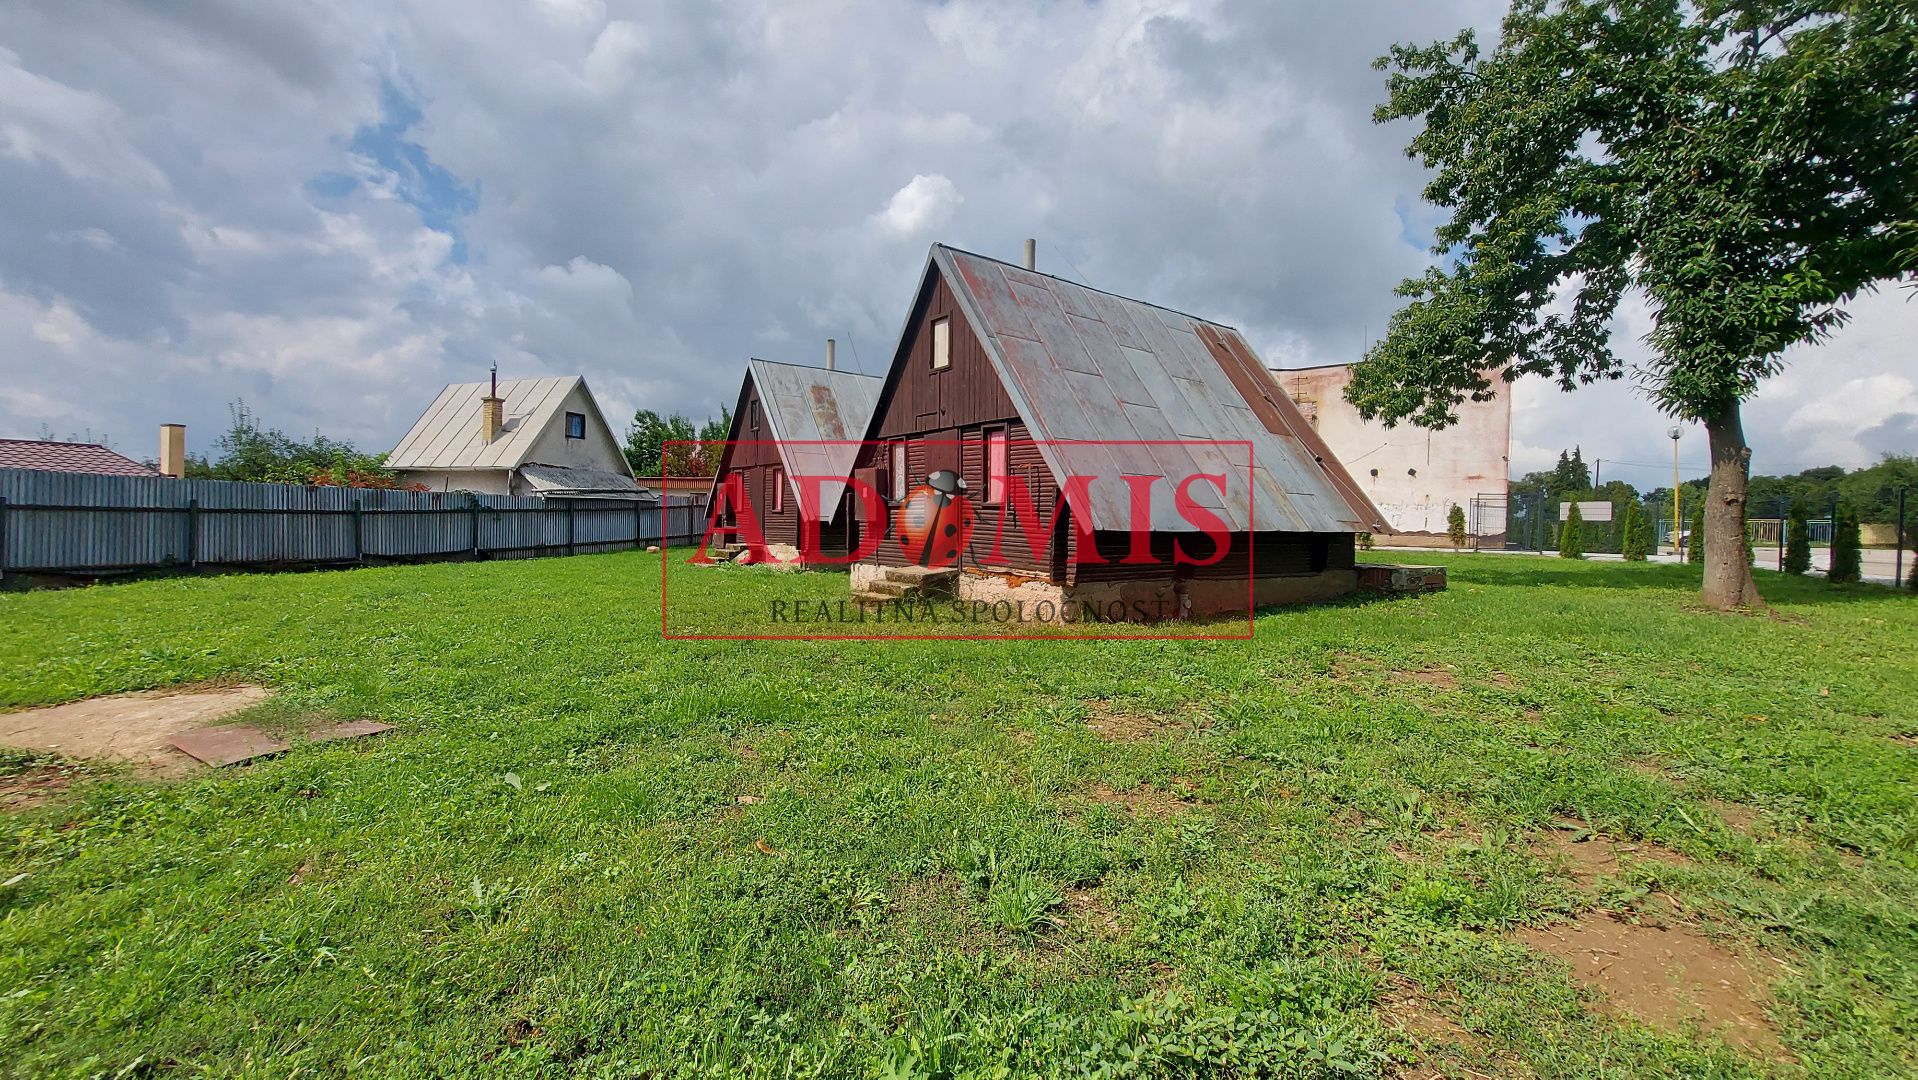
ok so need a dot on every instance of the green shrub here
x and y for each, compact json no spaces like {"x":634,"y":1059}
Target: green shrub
{"x":1455,"y":527}
{"x":1571,"y":535}
{"x":1634,"y":535}
{"x":1846,"y":549}
{"x":1797,"y":540}
{"x":1696,"y":542}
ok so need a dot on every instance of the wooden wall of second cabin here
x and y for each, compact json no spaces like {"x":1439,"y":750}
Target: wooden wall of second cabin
{"x":754,"y":457}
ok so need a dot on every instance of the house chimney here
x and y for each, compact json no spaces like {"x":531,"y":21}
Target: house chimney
{"x":173,"y":450}
{"x":492,"y":411}
{"x":1032,"y":253}
{"x":831,"y":347}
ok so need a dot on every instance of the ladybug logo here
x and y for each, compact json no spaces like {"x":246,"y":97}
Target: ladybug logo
{"x":935,"y":520}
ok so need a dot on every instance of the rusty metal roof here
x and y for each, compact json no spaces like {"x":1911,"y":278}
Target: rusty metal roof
{"x":1113,"y":387}
{"x":817,"y":417}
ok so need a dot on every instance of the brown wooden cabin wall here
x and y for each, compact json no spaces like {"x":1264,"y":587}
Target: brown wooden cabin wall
{"x":933,"y":410}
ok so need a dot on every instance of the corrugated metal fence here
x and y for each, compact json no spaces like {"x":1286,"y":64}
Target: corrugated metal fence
{"x":76,"y":523}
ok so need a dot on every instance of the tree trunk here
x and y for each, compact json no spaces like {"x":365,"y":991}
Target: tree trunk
{"x":1728,"y":577}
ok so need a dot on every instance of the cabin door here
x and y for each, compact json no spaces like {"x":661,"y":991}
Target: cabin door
{"x":942,"y":452}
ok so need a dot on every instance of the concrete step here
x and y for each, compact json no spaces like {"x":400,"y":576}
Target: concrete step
{"x":873,"y":597}
{"x":923,"y":577}
{"x":888,"y":587}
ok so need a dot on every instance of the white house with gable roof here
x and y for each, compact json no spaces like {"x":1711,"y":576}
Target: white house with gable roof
{"x":516,"y":437}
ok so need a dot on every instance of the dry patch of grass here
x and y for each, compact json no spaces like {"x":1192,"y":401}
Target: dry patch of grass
{"x":1585,"y":858}
{"x":36,"y":786}
{"x":1437,"y":678}
{"x":1124,"y":725}
{"x":1149,"y":801}
{"x":1668,"y":976}
{"x":1407,"y":1009}
{"x":1090,"y":912}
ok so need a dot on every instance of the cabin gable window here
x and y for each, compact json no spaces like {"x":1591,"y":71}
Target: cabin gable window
{"x":941,"y":344}
{"x":575,"y":425}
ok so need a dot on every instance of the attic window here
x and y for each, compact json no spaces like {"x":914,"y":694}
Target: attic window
{"x":575,"y":425}
{"x":941,"y":344}
{"x":754,"y":411}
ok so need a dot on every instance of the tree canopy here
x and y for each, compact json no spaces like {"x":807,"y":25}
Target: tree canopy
{"x":249,"y":451}
{"x":1746,"y":168}
{"x":670,"y":445}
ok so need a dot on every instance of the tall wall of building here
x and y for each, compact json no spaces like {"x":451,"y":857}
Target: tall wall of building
{"x":1414,"y":475}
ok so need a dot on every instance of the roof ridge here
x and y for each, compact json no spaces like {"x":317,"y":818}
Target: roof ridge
{"x":59,"y":442}
{"x":1089,"y":288}
{"x":812,"y":367}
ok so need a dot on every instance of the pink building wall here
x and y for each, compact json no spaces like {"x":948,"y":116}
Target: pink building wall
{"x":1414,"y":475}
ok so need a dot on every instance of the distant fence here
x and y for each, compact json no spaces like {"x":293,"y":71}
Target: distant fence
{"x":70,"y":523}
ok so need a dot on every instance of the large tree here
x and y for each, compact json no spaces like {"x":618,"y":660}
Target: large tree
{"x":1745,"y":167}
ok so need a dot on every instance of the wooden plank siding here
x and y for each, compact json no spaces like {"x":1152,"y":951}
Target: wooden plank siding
{"x":931,"y":411}
{"x":754,"y":456}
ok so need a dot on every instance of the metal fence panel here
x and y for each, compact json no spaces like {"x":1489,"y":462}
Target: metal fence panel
{"x":59,"y":522}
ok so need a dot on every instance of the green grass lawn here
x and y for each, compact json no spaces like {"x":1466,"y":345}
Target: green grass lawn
{"x":586,"y":850}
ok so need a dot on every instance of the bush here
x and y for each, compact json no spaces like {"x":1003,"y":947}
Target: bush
{"x":1571,"y":535}
{"x":1455,"y":527}
{"x":1797,"y":540}
{"x":1634,"y":535}
{"x":1365,"y":541}
{"x":1696,"y":542}
{"x":1846,"y":553}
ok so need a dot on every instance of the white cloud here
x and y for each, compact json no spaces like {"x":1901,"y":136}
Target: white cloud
{"x":926,"y":202}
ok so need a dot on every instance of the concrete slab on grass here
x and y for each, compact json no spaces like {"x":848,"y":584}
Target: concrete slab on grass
{"x":229,"y":745}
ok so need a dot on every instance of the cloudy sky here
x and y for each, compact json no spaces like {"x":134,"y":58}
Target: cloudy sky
{"x":329,"y":209}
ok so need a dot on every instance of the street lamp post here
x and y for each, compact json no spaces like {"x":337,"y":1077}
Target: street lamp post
{"x":1678,"y":519}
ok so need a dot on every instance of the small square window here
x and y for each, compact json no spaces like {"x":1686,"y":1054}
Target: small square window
{"x":941,"y":344}
{"x":575,"y":425}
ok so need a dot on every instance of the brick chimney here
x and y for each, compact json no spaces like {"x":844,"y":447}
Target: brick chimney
{"x":173,"y":450}
{"x":492,"y":411}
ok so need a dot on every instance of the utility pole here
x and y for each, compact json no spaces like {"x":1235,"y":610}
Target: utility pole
{"x":1678,"y":518}
{"x":1898,"y":545}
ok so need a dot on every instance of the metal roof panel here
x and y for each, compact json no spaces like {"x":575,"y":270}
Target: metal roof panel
{"x":1073,"y":359}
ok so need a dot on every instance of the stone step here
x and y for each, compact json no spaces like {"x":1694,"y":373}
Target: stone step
{"x":888,"y":587}
{"x":924,"y":577}
{"x":873,"y":597}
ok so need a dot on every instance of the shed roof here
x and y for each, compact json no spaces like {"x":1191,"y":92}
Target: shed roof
{"x":1112,"y":386}
{"x":572,"y":482}
{"x":47,"y":455}
{"x":818,"y":418}
{"x":447,"y":435}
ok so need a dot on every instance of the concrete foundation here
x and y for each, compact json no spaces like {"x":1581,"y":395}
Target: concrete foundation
{"x":1149,"y":600}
